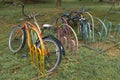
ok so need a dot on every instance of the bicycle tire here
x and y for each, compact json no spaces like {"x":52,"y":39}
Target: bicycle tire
{"x":49,"y":65}
{"x":19,"y":35}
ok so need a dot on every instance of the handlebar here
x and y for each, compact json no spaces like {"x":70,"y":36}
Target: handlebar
{"x":23,"y":10}
{"x":81,"y":11}
{"x":75,"y":15}
{"x":30,"y":16}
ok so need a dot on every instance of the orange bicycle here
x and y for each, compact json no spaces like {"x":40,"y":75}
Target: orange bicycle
{"x":45,"y":52}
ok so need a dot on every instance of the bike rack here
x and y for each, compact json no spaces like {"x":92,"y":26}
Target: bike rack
{"x":99,"y":36}
{"x":37,"y":55}
{"x":66,"y":37}
{"x":37,"y":58}
{"x":113,"y":37}
{"x":107,"y":33}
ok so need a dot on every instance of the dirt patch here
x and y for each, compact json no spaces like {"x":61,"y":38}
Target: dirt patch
{"x":112,"y":48}
{"x":115,"y":51}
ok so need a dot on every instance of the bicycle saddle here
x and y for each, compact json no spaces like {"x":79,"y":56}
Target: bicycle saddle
{"x":47,"y":25}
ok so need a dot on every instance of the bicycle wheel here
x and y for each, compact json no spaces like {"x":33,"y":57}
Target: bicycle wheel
{"x":53,"y":53}
{"x":17,"y":39}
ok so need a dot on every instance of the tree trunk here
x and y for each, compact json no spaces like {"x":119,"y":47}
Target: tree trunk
{"x":58,"y":3}
{"x":100,"y":0}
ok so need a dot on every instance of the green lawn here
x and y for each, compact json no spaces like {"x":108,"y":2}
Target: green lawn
{"x":91,"y":66}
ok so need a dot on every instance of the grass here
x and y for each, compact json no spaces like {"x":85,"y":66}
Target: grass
{"x":91,"y":66}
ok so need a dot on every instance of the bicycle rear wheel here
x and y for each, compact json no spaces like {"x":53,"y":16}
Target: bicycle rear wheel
{"x":17,"y":39}
{"x":53,"y":53}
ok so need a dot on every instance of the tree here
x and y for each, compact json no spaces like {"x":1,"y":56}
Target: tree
{"x":58,"y":3}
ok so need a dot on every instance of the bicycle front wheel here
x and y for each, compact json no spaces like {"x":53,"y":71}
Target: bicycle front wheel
{"x":17,"y":39}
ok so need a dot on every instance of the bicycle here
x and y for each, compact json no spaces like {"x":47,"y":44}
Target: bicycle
{"x":77,"y":18}
{"x":42,"y":49}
